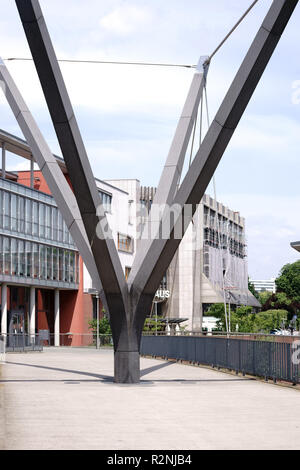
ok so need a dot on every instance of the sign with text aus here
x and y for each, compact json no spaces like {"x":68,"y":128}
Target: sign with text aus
{"x":162,"y":294}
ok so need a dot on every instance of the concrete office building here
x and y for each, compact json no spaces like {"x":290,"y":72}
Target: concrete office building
{"x":211,"y":260}
{"x":264,"y":285}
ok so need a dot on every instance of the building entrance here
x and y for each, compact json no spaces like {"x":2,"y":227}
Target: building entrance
{"x":16,"y":328}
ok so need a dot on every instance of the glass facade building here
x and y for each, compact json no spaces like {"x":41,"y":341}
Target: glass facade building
{"x":35,"y":244}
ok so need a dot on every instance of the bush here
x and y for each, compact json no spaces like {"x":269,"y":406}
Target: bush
{"x":152,"y":326}
{"x":104,"y":326}
{"x":244,"y":321}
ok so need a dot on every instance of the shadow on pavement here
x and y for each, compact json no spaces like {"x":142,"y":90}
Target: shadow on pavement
{"x":109,"y":379}
{"x":70,"y":371}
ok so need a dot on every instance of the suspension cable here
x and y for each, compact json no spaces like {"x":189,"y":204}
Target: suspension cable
{"x":109,"y":62}
{"x":232,"y":30}
{"x":218,"y":224}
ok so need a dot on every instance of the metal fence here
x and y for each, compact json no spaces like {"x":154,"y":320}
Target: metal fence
{"x":283,"y":338}
{"x":78,"y":340}
{"x":271,"y":360}
{"x":25,"y":342}
{"x":20,"y":343}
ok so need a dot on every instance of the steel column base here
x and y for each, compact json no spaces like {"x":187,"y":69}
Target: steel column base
{"x":127,"y":367}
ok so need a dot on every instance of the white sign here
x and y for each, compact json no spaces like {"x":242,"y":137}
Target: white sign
{"x":162,"y":294}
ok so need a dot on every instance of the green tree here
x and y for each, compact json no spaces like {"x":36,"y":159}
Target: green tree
{"x":244,"y":321}
{"x":280,"y":301}
{"x":104,"y":326}
{"x":104,"y":330}
{"x":151,"y":325}
{"x":216,"y":310}
{"x":263,"y":297}
{"x":288,"y":281}
{"x":251,"y":288}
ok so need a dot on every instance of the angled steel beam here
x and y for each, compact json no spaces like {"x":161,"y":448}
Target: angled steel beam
{"x":192,"y":189}
{"x":170,"y":178}
{"x":50,"y":169}
{"x":171,"y":174}
{"x":75,"y":156}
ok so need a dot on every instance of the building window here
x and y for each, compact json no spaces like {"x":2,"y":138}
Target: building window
{"x":67,"y":266}
{"x":21,"y":228}
{"x":28,"y":215}
{"x":106,"y":201}
{"x":61,"y":271}
{"x":54,"y":221}
{"x":14,"y":213}
{"x":55,"y":264}
{"x":35,"y":227}
{"x":21,"y":258}
{"x":49,"y":263}
{"x":21,"y":270}
{"x":48,"y":222}
{"x":206,"y":215}
{"x":60,"y":227}
{"x":42,"y":220}
{"x":7,"y":257}
{"x":125,"y":243}
{"x":14,"y":257}
{"x":72,"y":267}
{"x":206,"y":258}
{"x":6,"y":210}
{"x":164,"y":283}
{"x":35,"y":260}
{"x":28,"y":259}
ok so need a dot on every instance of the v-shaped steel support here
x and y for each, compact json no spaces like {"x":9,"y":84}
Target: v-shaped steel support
{"x":130,"y":303}
{"x":51,"y":171}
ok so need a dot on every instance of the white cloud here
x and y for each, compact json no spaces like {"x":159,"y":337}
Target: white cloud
{"x":269,"y":134}
{"x":126,"y":19}
{"x":127,"y":158}
{"x":272,"y":223}
{"x":110,"y":88}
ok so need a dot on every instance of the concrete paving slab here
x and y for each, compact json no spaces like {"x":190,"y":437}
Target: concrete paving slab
{"x":65,"y":399}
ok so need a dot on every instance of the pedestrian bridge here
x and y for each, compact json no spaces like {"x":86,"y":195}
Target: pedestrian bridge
{"x":65,"y":398}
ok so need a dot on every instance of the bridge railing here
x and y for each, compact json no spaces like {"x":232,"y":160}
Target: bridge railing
{"x":282,"y":338}
{"x":268,"y":359}
{"x":18,"y":342}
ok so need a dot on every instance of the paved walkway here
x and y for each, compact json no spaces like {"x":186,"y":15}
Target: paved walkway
{"x":65,"y":399}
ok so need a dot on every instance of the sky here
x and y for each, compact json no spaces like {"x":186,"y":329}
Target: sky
{"x":128,"y":114}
